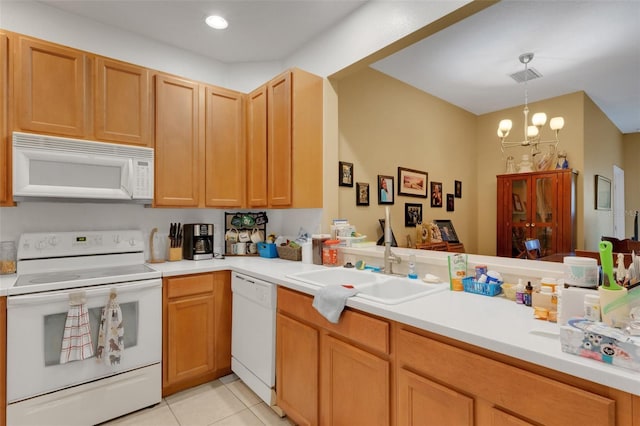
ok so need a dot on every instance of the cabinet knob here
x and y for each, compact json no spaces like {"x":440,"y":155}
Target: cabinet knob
{"x":526,"y":225}
{"x":533,"y":225}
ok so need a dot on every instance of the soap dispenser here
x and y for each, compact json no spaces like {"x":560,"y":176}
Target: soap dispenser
{"x":412,"y":267}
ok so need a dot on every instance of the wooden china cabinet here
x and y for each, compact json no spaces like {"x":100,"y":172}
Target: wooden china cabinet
{"x":538,"y":205}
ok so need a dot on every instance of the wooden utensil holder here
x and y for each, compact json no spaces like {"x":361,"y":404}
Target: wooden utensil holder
{"x":175,"y":253}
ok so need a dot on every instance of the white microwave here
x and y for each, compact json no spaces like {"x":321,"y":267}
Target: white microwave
{"x":49,"y":167}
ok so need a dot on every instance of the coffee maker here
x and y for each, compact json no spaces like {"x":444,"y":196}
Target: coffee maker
{"x":198,"y":241}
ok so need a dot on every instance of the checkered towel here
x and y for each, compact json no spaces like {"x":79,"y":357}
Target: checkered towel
{"x":76,"y":342}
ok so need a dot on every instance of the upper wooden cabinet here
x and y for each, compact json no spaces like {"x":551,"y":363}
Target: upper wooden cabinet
{"x":51,"y":86}
{"x":5,"y":153}
{"x":257,"y":148}
{"x":67,"y":92}
{"x":293,"y":143}
{"x":538,"y":205}
{"x":178,"y":142}
{"x":224,"y":148}
{"x":122,"y":111}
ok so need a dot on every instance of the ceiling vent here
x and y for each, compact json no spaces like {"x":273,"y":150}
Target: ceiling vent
{"x":529,"y":73}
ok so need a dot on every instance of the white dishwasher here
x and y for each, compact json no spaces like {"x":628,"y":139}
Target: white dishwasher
{"x":253,"y":334}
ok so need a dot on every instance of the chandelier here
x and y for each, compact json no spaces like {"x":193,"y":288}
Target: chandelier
{"x":532,"y":135}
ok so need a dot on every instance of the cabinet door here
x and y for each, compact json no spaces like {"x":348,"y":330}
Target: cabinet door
{"x":297,"y":357}
{"x":177,"y":156}
{"x":355,"y":385}
{"x":224,"y":149}
{"x":5,"y":141}
{"x":122,"y":103}
{"x":189,"y":328}
{"x":279,"y":140}
{"x":424,"y":402}
{"x":50,"y":88}
{"x":3,"y":357}
{"x":518,"y":219}
{"x":222,"y":324}
{"x":500,"y":418}
{"x":544,"y":211}
{"x":257,"y":148}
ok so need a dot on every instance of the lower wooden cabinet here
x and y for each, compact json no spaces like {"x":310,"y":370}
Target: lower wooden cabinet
{"x":196,"y":329}
{"x":331,"y":374}
{"x":3,"y":359}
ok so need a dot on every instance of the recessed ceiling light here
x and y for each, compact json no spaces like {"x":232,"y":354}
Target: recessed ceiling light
{"x":217,"y":22}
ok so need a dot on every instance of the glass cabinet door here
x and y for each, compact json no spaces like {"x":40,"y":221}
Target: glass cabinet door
{"x":544,"y":212}
{"x":520,"y":193}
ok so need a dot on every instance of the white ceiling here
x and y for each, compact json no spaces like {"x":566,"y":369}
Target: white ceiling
{"x":590,"y":45}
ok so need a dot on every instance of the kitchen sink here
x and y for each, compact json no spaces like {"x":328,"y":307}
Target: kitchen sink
{"x":380,"y":288}
{"x":341,"y":276}
{"x":396,"y":290}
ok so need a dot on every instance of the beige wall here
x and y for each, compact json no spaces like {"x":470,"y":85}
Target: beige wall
{"x":603,"y":150}
{"x":385,"y":124}
{"x":631,"y":153}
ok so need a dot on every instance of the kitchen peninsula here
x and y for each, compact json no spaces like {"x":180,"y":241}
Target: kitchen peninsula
{"x":486,"y":355}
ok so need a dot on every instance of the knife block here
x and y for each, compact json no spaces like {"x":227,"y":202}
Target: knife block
{"x":175,"y":253}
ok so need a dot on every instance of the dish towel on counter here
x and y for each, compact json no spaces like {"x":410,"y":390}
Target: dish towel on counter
{"x":111,"y":334}
{"x":76,"y":341}
{"x":330,"y":301}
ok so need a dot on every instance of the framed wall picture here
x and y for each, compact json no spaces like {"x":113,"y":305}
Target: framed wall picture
{"x":450,"y":205}
{"x":345,"y":173}
{"x":603,"y":193}
{"x":447,"y":231}
{"x":517,"y":203}
{"x":436,"y":194}
{"x":412,"y":182}
{"x":458,"y":189}
{"x":385,"y":189}
{"x":362,"y":194}
{"x":412,"y":214}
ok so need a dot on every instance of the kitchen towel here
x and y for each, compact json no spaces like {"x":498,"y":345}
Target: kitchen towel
{"x":76,"y":341}
{"x":111,"y":334}
{"x":330,"y":301}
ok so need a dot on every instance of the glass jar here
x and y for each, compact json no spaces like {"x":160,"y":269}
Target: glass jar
{"x":330,"y":252}
{"x":7,"y":257}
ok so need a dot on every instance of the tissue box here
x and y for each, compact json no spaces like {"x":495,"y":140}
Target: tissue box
{"x":598,"y":341}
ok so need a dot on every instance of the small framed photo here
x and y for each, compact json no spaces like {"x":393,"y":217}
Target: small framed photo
{"x":447,"y":231}
{"x":517,"y":203}
{"x":345,"y":174}
{"x":450,"y":206}
{"x":603,"y":193}
{"x":362,"y":194}
{"x":412,"y":182}
{"x":436,"y":194}
{"x":385,"y":189}
{"x":458,"y":189}
{"x":412,"y":214}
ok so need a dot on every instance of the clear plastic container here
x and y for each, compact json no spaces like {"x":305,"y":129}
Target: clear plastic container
{"x":330,"y":252}
{"x":7,"y":257}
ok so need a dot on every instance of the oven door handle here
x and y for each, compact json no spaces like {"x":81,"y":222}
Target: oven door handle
{"x":103,"y":290}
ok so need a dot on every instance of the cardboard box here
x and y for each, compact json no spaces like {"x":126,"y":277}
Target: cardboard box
{"x":598,"y":341}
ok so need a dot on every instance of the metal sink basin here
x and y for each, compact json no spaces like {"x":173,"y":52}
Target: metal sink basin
{"x":380,"y":288}
{"x":396,"y":290}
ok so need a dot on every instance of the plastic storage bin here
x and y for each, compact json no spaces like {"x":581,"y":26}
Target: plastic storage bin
{"x":267,"y":250}
{"x":488,"y":289}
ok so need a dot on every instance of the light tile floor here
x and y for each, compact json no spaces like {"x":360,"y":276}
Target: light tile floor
{"x":223,"y":402}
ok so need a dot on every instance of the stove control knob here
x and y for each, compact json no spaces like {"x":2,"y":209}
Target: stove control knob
{"x":40,"y":245}
{"x":132,"y":242}
{"x":53,"y":240}
{"x":26,"y":245}
{"x":116,"y":239}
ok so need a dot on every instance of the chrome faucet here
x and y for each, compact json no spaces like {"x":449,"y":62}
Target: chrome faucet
{"x":389,"y":257}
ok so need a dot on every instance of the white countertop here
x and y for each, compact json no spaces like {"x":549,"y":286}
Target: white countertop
{"x":493,"y":323}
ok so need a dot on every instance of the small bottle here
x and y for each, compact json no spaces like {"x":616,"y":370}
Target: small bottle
{"x":520,"y":292}
{"x":7,"y":257}
{"x":592,"y":307}
{"x":526,"y":297}
{"x":412,"y":267}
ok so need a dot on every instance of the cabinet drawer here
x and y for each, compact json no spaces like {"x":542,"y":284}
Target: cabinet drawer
{"x":189,"y":285}
{"x":532,"y":396}
{"x":358,"y":327}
